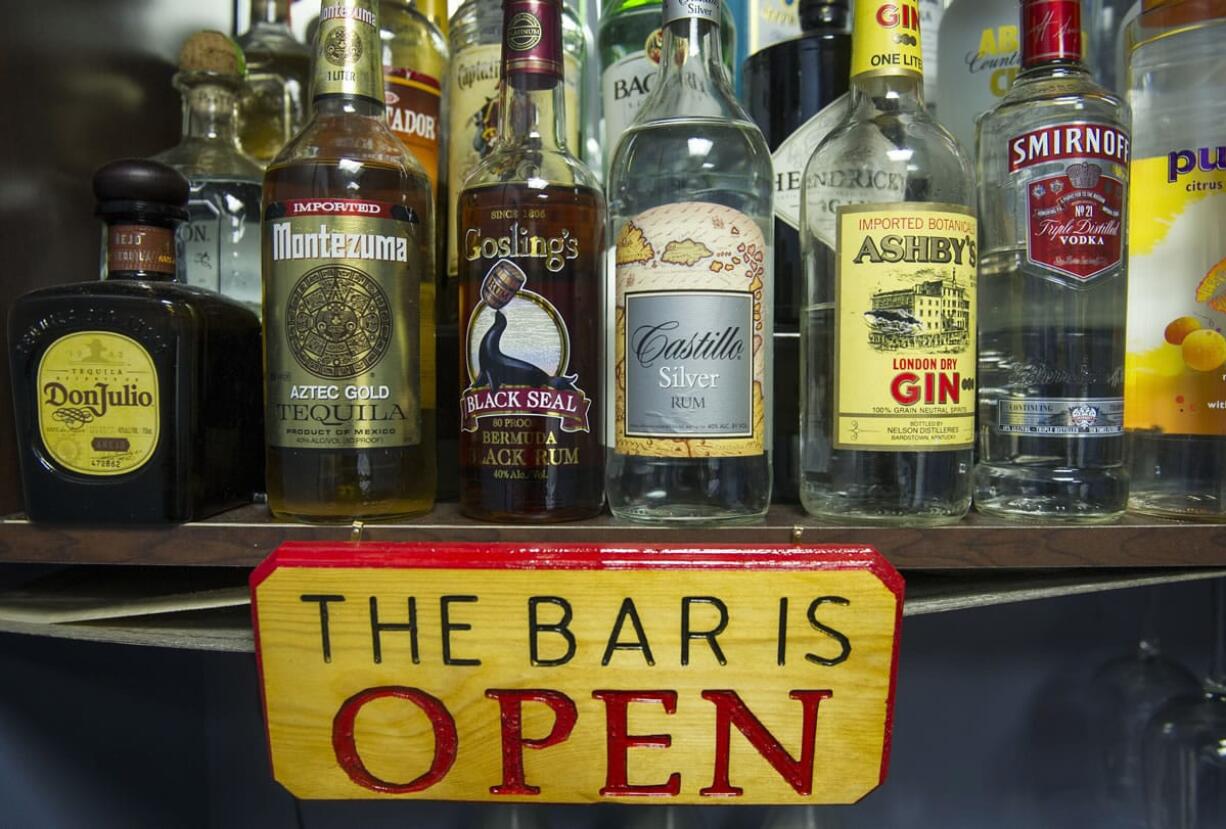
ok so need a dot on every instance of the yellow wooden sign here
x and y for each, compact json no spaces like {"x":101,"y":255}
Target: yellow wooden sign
{"x":576,"y":674}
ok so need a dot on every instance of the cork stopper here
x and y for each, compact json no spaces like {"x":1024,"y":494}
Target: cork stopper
{"x":214,"y":53}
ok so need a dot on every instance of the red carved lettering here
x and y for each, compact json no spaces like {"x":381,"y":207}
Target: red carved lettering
{"x":510,"y":704}
{"x":446,"y":740}
{"x":619,"y":742}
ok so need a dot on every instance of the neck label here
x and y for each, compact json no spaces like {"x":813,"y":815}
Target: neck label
{"x":349,"y":55}
{"x":886,"y":40}
{"x":532,"y":38}
{"x":685,"y":9}
{"x":1053,"y":31}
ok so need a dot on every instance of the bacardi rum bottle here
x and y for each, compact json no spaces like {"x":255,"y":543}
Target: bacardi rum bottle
{"x":1053,"y":184}
{"x":690,"y":192}
{"x":348,"y":246}
{"x":889,"y":242}
{"x":531,"y":252}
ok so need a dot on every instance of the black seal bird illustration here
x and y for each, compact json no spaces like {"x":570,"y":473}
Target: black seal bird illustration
{"x":497,"y":369}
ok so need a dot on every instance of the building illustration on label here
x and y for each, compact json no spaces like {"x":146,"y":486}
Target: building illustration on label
{"x":519,"y":352}
{"x":689,"y":335}
{"x":934,"y":315}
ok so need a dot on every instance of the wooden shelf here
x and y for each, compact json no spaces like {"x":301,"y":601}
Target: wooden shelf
{"x":243,"y":537}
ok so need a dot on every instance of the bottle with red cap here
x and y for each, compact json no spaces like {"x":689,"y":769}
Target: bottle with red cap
{"x":1053,"y":161}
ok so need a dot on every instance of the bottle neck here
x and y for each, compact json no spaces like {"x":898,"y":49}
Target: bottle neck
{"x":822,"y":16}
{"x":333,"y":105}
{"x":138,"y":247}
{"x":210,"y":111}
{"x":887,"y":66}
{"x":692,"y":60}
{"x":264,"y":12}
{"x":1051,"y":34}
{"x":898,"y":94}
{"x":348,"y":61}
{"x":532,"y":107}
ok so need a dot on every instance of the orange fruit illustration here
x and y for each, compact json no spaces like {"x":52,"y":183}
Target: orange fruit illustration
{"x":1177,"y":330}
{"x":1212,"y":289}
{"x":1204,"y":350}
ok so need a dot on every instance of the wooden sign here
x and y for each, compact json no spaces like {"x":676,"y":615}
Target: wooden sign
{"x":575,"y":674}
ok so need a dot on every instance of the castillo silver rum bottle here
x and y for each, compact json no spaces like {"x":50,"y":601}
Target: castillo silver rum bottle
{"x":1053,"y":185}
{"x":690,"y":190}
{"x":889,"y":244}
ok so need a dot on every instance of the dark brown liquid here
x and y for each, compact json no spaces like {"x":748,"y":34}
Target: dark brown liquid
{"x":517,"y":465}
{"x":346,"y":484}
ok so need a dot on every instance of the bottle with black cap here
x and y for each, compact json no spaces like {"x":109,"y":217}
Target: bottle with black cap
{"x":137,"y":400}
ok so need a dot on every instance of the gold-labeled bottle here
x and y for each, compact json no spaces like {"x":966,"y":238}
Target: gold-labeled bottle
{"x":348,"y":218}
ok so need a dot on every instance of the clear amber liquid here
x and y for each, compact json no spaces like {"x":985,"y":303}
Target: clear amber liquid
{"x":368,"y":484}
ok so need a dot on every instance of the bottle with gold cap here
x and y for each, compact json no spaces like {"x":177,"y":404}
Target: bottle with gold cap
{"x":889,"y":245}
{"x":348,"y":229}
{"x":221,"y":240}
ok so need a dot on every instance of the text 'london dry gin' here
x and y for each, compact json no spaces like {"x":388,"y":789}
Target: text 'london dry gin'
{"x":690,"y":192}
{"x":532,"y":252}
{"x":890,"y":248}
{"x":1053,"y":183}
{"x":347,"y":249}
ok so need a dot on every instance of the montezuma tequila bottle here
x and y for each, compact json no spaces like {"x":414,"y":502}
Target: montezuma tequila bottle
{"x":1053,"y":185}
{"x":347,"y":257}
{"x":889,"y":242}
{"x":531,"y":237}
{"x":690,"y":191}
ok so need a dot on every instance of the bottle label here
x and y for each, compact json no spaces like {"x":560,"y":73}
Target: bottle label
{"x":413,"y":112}
{"x":140,"y":248}
{"x":905,"y":327}
{"x":625,"y":85}
{"x":1175,"y":369}
{"x":690,"y":339}
{"x":473,"y":103}
{"x":886,"y":39}
{"x":532,"y":37}
{"x":686,"y":9}
{"x":341,"y":315}
{"x":349,"y":52}
{"x":221,"y":240}
{"x":793,"y":155}
{"x":1060,"y":417}
{"x":98,"y":403}
{"x":1073,"y":182}
{"x":828,"y":189}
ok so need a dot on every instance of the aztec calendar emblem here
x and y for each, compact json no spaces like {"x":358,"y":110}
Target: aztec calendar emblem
{"x":338,"y":322}
{"x":343,"y":47}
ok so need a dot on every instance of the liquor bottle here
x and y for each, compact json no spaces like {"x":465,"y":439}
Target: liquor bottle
{"x":435,"y":11}
{"x":347,"y":247}
{"x":759,"y":24}
{"x":137,"y":400}
{"x":888,"y":333}
{"x":1053,"y":184}
{"x":629,"y":42}
{"x":222,"y":239}
{"x":690,"y":191}
{"x":532,"y":224}
{"x":1175,"y":383}
{"x":979,"y":58}
{"x":414,"y":64}
{"x":274,"y":101}
{"x":796,"y":93}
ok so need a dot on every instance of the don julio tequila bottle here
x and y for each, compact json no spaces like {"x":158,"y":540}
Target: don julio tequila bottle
{"x":889,"y":243}
{"x":531,"y":252}
{"x":690,"y":192}
{"x":347,"y":251}
{"x":1053,"y":180}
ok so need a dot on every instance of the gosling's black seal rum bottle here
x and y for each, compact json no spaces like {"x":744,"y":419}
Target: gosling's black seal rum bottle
{"x":137,"y":400}
{"x":348,"y":259}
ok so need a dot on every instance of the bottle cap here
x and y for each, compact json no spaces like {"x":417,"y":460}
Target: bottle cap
{"x":532,"y":42}
{"x":139,"y":187}
{"x":214,"y":53}
{"x":1051,"y":31}
{"x":684,"y":9}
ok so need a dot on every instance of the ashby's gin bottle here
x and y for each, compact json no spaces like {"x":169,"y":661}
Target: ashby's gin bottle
{"x":629,"y":41}
{"x":796,"y":91}
{"x":221,"y":241}
{"x":1175,"y":390}
{"x":1053,"y":185}
{"x":690,"y":191}
{"x":889,"y":241}
{"x":532,"y":253}
{"x":347,"y":245}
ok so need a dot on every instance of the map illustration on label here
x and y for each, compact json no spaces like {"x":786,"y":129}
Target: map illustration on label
{"x":1175,"y":369}
{"x":343,"y":370}
{"x":518,"y":354}
{"x":98,"y":411}
{"x":905,"y":327}
{"x":690,"y":341}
